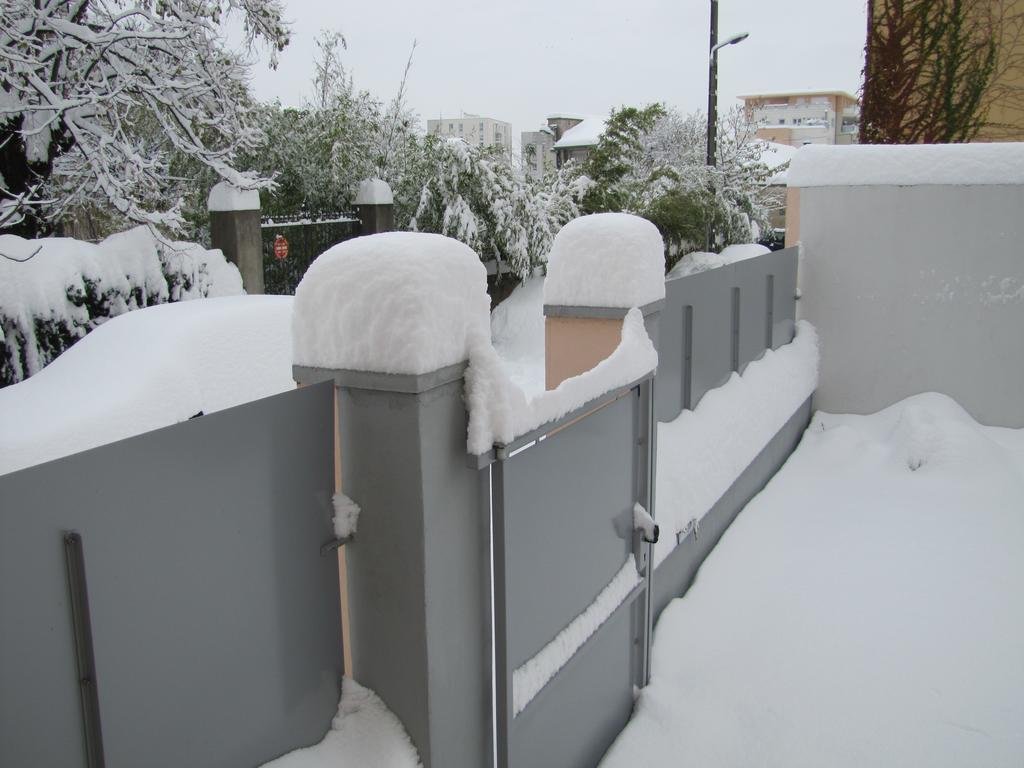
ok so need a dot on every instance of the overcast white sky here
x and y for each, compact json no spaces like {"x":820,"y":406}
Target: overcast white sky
{"x":522,"y":61}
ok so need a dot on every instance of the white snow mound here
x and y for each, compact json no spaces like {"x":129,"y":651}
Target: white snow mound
{"x":606,"y":260}
{"x":148,"y":369}
{"x":499,"y":411}
{"x":346,"y":516}
{"x":702,"y":261}
{"x":363,"y":733}
{"x":397,"y":302}
{"x":228,"y":197}
{"x":374,"y":192}
{"x":517,"y":332}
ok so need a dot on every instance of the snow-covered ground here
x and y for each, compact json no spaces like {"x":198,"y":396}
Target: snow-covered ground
{"x":364,"y":734}
{"x":864,"y":609}
{"x":517,"y":332}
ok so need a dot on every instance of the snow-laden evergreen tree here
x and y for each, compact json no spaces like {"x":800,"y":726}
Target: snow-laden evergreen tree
{"x":651,"y":162}
{"x":319,"y":153}
{"x":97,"y":95}
{"x":475,"y":195}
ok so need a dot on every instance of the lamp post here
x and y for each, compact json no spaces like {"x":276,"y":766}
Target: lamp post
{"x":713,"y":79}
{"x":713,"y":47}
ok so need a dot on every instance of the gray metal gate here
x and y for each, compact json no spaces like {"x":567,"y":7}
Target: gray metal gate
{"x":563,"y":501}
{"x":215,"y":622}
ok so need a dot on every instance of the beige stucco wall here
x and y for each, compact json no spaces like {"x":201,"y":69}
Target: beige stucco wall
{"x":792,"y":216}
{"x":573,"y":345}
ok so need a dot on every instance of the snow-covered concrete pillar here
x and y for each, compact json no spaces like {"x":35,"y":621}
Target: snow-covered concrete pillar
{"x":599,"y":267}
{"x":235,"y":230}
{"x":390,"y":319}
{"x":375,"y":207}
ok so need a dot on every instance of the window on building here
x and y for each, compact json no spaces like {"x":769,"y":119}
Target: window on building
{"x":450,"y":127}
{"x":460,"y":127}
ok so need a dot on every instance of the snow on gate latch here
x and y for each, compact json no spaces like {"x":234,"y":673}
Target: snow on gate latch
{"x":645,"y":531}
{"x":280,"y":247}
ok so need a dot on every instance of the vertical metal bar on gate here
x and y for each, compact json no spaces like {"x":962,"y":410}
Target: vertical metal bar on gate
{"x":648,"y":451}
{"x":86,"y":662}
{"x":502,"y":669}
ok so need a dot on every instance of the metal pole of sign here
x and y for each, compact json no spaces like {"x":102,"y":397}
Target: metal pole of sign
{"x":82,"y":625}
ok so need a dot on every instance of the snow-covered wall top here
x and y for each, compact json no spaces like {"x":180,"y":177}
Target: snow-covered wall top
{"x":374,"y":192}
{"x":397,"y":302}
{"x":227,"y":197}
{"x":606,"y":260}
{"x":148,"y":369}
{"x":701,"y":261}
{"x":820,"y":165}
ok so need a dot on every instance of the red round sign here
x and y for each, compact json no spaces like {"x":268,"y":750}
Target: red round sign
{"x":280,"y":247}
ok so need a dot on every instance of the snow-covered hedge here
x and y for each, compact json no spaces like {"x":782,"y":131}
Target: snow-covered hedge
{"x":54,"y":291}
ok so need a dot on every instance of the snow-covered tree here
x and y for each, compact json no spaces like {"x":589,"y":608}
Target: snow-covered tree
{"x":98,"y":95}
{"x":319,"y":153}
{"x":651,"y":162}
{"x":475,"y":195}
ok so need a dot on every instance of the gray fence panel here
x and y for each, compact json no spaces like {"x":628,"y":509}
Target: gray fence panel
{"x":751,"y":278}
{"x":784,"y":313}
{"x":569,"y":505}
{"x":705,"y":334}
{"x":674,"y":353}
{"x":215,"y":619}
{"x":586,"y":705}
{"x":676,"y":572}
{"x":563,"y":529}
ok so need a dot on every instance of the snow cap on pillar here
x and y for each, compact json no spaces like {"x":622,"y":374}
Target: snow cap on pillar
{"x":396,"y":302}
{"x":374,"y":192}
{"x":606,"y":260}
{"x":227,"y":197}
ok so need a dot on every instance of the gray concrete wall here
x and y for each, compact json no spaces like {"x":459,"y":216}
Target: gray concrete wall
{"x":916,"y":289}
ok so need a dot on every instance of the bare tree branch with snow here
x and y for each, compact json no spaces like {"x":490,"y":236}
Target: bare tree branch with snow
{"x":95,"y":95}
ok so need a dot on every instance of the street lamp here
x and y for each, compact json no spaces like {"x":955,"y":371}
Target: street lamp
{"x":713,"y":47}
{"x":713,"y":79}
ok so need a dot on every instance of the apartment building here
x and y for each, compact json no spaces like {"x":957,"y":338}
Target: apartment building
{"x":815,"y":117}
{"x":476,"y":130}
{"x":538,"y":148}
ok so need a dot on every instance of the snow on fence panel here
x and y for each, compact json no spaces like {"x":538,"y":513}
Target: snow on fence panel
{"x":215,"y":626}
{"x":732,"y":399}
